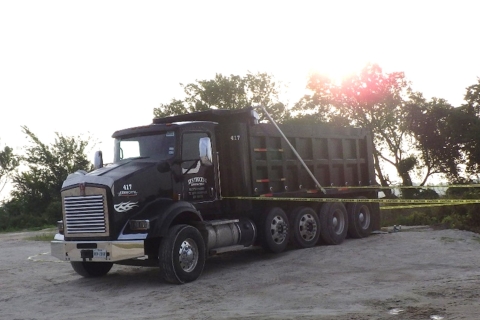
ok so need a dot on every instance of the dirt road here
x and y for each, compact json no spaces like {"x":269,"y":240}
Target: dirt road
{"x":420,"y":274}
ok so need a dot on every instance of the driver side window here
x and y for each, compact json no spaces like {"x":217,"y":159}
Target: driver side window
{"x":191,"y":151}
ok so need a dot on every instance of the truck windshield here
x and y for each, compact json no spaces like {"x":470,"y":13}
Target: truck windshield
{"x":160,"y":146}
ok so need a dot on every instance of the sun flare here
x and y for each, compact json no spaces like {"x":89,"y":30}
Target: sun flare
{"x":337,"y":69}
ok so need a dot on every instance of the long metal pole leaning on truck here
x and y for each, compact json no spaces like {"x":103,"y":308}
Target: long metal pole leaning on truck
{"x":293,"y":149}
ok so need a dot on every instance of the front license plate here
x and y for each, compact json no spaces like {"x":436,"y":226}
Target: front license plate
{"x":100,"y":253}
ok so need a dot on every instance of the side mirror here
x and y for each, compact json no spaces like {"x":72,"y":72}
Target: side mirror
{"x":98,"y":160}
{"x":205,"y":147}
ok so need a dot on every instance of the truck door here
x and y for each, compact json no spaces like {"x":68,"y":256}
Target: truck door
{"x":198,"y":180}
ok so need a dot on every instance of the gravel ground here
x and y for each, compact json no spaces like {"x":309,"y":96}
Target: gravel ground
{"x":418,"y":273}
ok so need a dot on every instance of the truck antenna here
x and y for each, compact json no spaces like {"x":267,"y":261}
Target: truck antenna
{"x":293,"y":149}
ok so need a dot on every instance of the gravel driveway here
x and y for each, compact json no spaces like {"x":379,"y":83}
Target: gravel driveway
{"x":412,"y":274}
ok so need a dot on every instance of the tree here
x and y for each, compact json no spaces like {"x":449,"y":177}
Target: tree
{"x":469,"y":129}
{"x":438,"y":128}
{"x":233,"y":92}
{"x":370,"y":99}
{"x":37,"y":189}
{"x":472,"y":97}
{"x":8,"y":162}
{"x":448,"y":136}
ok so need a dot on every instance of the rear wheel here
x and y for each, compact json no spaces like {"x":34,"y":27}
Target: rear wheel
{"x":306,"y":227}
{"x":275,"y":230}
{"x":359,"y":219}
{"x":91,"y":269}
{"x":182,"y":254}
{"x":333,"y":222}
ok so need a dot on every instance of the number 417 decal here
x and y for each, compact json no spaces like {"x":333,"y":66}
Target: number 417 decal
{"x":235,"y":137}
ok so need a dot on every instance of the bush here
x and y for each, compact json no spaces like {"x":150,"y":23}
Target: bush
{"x":53,"y":213}
{"x":417,"y":218}
{"x":14,"y":216}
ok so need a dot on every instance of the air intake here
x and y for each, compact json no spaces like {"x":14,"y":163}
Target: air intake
{"x":85,"y":215}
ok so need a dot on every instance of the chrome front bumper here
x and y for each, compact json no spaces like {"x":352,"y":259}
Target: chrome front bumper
{"x":97,"y":250}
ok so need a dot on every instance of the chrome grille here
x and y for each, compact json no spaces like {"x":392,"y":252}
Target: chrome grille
{"x":85,"y":215}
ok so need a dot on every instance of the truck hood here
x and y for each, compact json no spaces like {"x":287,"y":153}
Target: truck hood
{"x":108,"y":174}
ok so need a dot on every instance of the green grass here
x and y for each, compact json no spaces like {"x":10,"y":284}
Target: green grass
{"x":41,"y":228}
{"x":447,"y":239}
{"x":47,"y":228}
{"x":41,"y":237}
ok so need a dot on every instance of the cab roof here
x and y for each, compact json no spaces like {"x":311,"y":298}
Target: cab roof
{"x":156,"y":128}
{"x":219,"y":116}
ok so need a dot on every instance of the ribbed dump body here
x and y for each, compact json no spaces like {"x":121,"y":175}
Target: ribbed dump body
{"x":258,"y":161}
{"x":336,"y":156}
{"x":85,"y":212}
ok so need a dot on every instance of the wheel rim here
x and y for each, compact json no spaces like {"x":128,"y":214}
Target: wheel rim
{"x":338,"y":221}
{"x":278,"y":229}
{"x":364,"y":217}
{"x":307,"y":227}
{"x":188,"y":255}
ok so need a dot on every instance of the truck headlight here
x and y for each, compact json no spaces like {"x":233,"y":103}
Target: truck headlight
{"x":139,"y":225}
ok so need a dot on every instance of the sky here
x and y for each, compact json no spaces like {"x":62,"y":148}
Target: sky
{"x":93,"y":67}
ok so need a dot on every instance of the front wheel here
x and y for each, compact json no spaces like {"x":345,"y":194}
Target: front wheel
{"x":182,"y":254}
{"x":91,"y":269}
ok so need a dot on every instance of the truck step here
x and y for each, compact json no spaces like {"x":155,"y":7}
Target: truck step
{"x":228,"y":249}
{"x":220,"y":222}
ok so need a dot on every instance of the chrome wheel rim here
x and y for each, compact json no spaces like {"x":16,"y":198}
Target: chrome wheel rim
{"x":338,"y":221}
{"x":307,"y":227}
{"x":364,"y":217}
{"x":188,"y":255}
{"x":278,"y":229}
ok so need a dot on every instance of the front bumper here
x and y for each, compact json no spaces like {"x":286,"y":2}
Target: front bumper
{"x":97,"y":250}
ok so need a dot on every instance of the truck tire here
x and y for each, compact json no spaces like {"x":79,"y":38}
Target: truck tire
{"x":305,"y":227}
{"x":91,"y":269}
{"x":333,"y":223}
{"x":375,"y":218}
{"x":359,"y":219}
{"x":182,"y":254}
{"x":275,"y":230}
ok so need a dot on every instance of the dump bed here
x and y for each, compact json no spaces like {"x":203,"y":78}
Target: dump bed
{"x":255,"y":160}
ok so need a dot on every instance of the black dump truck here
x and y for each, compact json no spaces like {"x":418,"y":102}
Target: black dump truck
{"x":190,"y":186}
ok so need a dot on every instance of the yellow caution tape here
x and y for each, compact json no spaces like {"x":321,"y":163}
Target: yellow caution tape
{"x":404,"y":187}
{"x":400,"y":201}
{"x":426,"y":205}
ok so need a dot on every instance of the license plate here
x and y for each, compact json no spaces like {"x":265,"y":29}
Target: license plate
{"x":100,"y":253}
